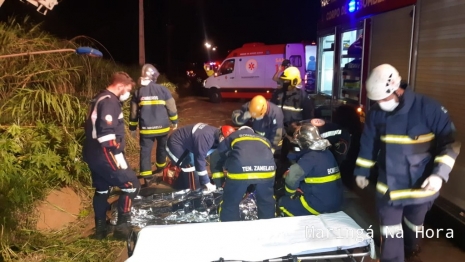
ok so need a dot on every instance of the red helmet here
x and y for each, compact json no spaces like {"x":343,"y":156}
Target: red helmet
{"x":227,"y":130}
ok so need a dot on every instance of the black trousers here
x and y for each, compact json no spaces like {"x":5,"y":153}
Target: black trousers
{"x":146,"y":145}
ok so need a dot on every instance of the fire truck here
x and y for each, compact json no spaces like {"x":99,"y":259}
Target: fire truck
{"x":43,"y":6}
{"x":248,"y":71}
{"x":423,"y":39}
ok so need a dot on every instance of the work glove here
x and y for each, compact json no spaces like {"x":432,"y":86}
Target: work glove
{"x":298,"y":193}
{"x":208,"y":188}
{"x":174,"y":126}
{"x":133,"y":133}
{"x":120,"y":161}
{"x":272,"y":151}
{"x":247,"y":115}
{"x":432,"y":183}
{"x":362,"y":181}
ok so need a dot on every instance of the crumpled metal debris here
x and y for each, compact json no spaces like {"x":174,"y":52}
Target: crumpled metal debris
{"x":184,"y":206}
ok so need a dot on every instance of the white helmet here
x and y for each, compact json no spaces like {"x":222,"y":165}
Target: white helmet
{"x":382,"y":82}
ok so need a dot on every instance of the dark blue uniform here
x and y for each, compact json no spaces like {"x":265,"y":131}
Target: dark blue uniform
{"x":104,"y":139}
{"x":297,"y":106}
{"x":194,"y":143}
{"x":153,"y":109}
{"x":248,"y":160}
{"x":316,"y":174}
{"x":408,"y":144}
{"x":271,"y":126}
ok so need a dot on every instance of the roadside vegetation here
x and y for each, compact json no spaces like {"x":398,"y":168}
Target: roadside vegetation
{"x":43,"y":102}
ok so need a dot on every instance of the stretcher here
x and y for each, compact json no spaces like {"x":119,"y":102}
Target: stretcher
{"x":304,"y":238}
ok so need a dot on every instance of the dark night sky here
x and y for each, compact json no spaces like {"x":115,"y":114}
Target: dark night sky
{"x":225,"y":23}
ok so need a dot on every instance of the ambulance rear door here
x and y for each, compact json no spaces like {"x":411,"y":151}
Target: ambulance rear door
{"x":296,"y":54}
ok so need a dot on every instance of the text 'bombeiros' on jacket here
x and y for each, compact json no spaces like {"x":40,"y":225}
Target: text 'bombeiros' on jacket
{"x":152,"y":108}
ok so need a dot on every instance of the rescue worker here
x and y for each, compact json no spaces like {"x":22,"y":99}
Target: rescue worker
{"x":189,"y":146}
{"x":247,"y":160}
{"x":313,"y":182}
{"x":103,"y":151}
{"x":152,"y":108}
{"x":411,"y":138}
{"x":267,"y":119}
{"x":279,"y":88}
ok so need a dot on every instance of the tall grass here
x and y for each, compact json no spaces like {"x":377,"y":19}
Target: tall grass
{"x":43,"y":102}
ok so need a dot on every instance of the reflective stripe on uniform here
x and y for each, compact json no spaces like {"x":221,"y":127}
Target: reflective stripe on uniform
{"x":291,"y":108}
{"x":146,"y":173}
{"x":365,"y":162}
{"x":175,"y":117}
{"x":217,"y":175}
{"x":152,"y":102}
{"x":133,"y":123}
{"x":324,"y":179}
{"x":445,"y":159}
{"x":250,"y":139}
{"x":413,"y":227}
{"x":154,"y":131}
{"x":160,"y":165}
{"x":307,"y":206}
{"x":259,"y":175}
{"x":290,"y":190}
{"x":399,"y":139}
{"x":285,"y":211}
{"x":403,"y":193}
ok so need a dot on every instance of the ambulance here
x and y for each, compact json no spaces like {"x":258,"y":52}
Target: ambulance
{"x":248,"y":71}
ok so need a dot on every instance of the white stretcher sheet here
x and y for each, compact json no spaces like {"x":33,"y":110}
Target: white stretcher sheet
{"x":250,"y":240}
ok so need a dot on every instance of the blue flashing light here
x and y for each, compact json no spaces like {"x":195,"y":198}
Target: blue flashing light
{"x":352,"y":6}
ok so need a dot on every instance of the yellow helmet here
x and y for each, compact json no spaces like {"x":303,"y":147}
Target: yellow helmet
{"x":292,"y":74}
{"x":258,"y":106}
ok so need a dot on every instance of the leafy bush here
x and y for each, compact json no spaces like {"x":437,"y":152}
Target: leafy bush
{"x":43,"y":103}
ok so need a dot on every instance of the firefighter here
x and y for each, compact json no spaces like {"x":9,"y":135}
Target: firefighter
{"x":313,"y":183}
{"x":103,"y":151}
{"x":267,"y":119}
{"x":247,"y":160}
{"x":295,"y":102}
{"x":189,"y":146}
{"x":411,"y":139}
{"x":152,"y":108}
{"x":279,"y":88}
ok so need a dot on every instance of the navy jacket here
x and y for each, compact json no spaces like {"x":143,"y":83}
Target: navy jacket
{"x":104,"y":126}
{"x":271,"y":126}
{"x":246,"y":156}
{"x":197,"y":139}
{"x":317,"y":174}
{"x":154,"y":109}
{"x":408,"y":144}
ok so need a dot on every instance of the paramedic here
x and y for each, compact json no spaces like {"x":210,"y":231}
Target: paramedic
{"x":188,"y":148}
{"x":103,"y":151}
{"x":411,"y":139}
{"x":153,"y":109}
{"x":247,"y":160}
{"x":267,"y":119}
{"x":313,"y":184}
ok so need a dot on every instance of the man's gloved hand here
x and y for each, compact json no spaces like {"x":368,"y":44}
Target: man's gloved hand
{"x":247,"y":115}
{"x":174,"y":126}
{"x":272,"y":150}
{"x":362,"y":181}
{"x":120,"y":161}
{"x":133,"y":133}
{"x":432,"y":183}
{"x":209,"y":187}
{"x":298,"y":193}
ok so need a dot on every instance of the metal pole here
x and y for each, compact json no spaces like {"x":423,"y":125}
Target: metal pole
{"x":38,"y":52}
{"x":141,"y":33}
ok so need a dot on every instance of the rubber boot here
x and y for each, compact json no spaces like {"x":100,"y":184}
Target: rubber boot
{"x":123,"y":228}
{"x":100,"y":229}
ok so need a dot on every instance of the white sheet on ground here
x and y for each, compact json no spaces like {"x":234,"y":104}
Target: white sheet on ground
{"x":249,"y":240}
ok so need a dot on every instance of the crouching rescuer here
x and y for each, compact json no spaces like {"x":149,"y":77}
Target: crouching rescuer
{"x":247,"y":160}
{"x":103,"y":151}
{"x":152,"y":108}
{"x":313,"y":184}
